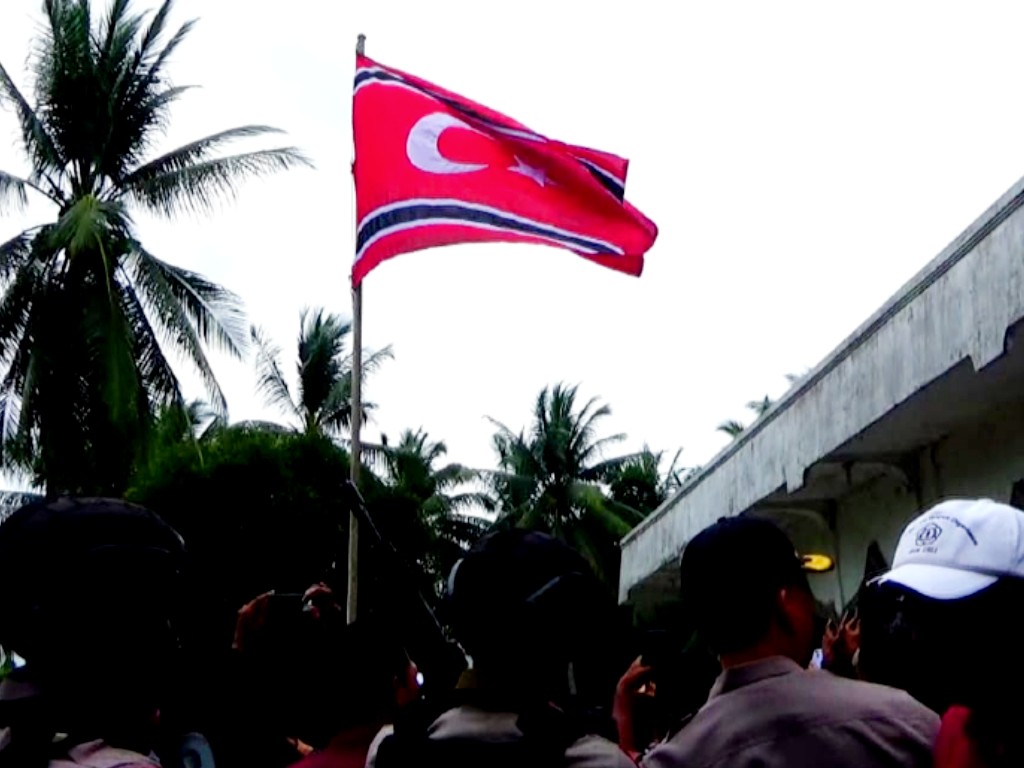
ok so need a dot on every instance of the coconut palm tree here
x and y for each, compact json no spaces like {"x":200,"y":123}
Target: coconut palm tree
{"x":430,"y":511}
{"x":196,"y":420}
{"x":88,"y":313}
{"x":732,"y":428}
{"x":323,"y":400}
{"x":735,"y":428}
{"x":641,"y":484}
{"x":552,"y":477}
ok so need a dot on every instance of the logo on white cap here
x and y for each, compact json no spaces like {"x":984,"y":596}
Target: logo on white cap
{"x":928,"y":534}
{"x":958,"y":548}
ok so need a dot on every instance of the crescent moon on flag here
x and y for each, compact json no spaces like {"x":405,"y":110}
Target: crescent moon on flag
{"x":422,"y":149}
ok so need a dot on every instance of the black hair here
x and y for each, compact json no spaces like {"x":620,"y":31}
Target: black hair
{"x":336,"y":676}
{"x":525,"y":605}
{"x":964,"y":635}
{"x":890,"y":622}
{"x":743,"y":621}
{"x":731,"y":575}
{"x":90,"y":598}
{"x":941,"y":652}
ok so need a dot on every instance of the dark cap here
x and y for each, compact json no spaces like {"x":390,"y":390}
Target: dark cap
{"x":508,"y":567}
{"x":518,"y":577}
{"x":731,"y":572}
{"x":61,"y":550}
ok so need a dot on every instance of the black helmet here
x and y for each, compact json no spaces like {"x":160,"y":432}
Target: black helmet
{"x":73,"y":550}
{"x":517,"y":586}
{"x":91,"y":588}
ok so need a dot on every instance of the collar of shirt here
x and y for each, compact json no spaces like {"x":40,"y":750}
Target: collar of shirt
{"x":755,"y":672}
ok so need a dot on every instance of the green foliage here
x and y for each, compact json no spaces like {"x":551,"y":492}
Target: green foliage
{"x":87,"y":311}
{"x":552,"y":477}
{"x":424,"y":506}
{"x":641,"y":485}
{"x":760,"y":407}
{"x":324,"y":374}
{"x":732,"y":428}
{"x":258,"y":509}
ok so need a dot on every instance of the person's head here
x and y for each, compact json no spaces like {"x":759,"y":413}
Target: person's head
{"x":91,"y":592}
{"x":957,"y":574}
{"x":329,"y":676}
{"x":747,"y":592}
{"x":523,"y":605}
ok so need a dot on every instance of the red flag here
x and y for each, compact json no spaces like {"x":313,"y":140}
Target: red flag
{"x":433,"y":168}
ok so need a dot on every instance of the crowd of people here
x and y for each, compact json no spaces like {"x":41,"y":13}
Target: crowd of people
{"x":95,"y":602}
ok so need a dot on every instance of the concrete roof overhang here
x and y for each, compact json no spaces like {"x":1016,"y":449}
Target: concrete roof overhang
{"x":942,"y":351}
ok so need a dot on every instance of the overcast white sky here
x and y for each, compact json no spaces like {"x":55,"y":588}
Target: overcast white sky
{"x":802,"y":160}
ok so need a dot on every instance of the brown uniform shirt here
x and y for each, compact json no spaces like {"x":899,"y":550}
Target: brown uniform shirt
{"x":774,"y":714}
{"x":467,"y":722}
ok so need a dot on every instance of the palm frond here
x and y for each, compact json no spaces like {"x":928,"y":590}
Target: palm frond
{"x":603,"y":470}
{"x":531,"y":518}
{"x":590,"y":450}
{"x":66,"y":81}
{"x":12,"y":388}
{"x":760,"y":407}
{"x":673,"y":467}
{"x":592,"y":502}
{"x":588,"y":542}
{"x":13,"y":188}
{"x":371,"y":453}
{"x":371,"y":360}
{"x":109,"y":339}
{"x":153,"y":61}
{"x":22,"y":295}
{"x":88,"y":224}
{"x":322,"y":340}
{"x":198,"y":187}
{"x":214,"y":312}
{"x":154,"y":367}
{"x":628,"y":515}
{"x":472,"y":501}
{"x":464,"y":529}
{"x":16,"y":449}
{"x":15,"y":253}
{"x":450,"y":475}
{"x":271,"y":383}
{"x":147,"y":275}
{"x":39,"y":144}
{"x":117,"y":27}
{"x":336,"y":414}
{"x":189,"y":154}
{"x":732,"y":428}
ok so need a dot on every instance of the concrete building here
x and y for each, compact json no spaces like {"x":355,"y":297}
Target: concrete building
{"x":924,"y":401}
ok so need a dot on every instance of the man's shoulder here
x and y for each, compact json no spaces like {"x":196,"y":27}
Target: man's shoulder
{"x":803,"y":705}
{"x":859,"y":694}
{"x":96,"y":754}
{"x":480,"y":735}
{"x":596,"y":752}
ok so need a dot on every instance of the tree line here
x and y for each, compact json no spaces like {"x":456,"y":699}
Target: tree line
{"x":558,"y":474}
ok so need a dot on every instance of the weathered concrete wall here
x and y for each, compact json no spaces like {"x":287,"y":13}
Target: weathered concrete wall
{"x":960,"y":306}
{"x":875,"y":513}
{"x":984,"y":460}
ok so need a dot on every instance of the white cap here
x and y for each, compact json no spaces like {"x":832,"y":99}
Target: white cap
{"x":958,"y":548}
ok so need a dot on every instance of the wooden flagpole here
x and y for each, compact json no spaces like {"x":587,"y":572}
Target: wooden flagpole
{"x":355,"y":458}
